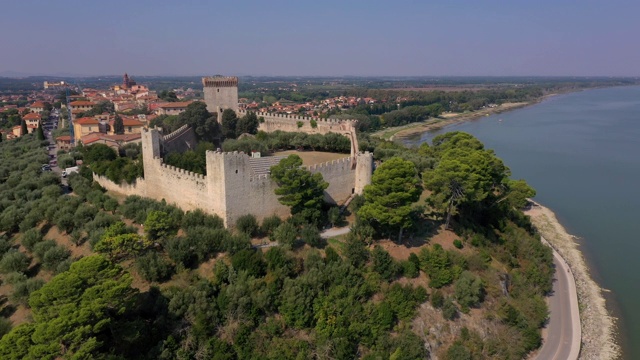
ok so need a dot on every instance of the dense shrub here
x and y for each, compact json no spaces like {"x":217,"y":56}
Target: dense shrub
{"x":449,"y":309}
{"x":285,"y":234}
{"x":5,"y":245}
{"x":30,"y":238}
{"x":383,"y":263}
{"x":153,"y":267}
{"x":310,"y":235}
{"x":469,"y":290}
{"x":200,"y":218}
{"x":22,"y":290}
{"x":247,"y":224}
{"x":269,"y":224}
{"x":249,"y":260}
{"x":14,"y":261}
{"x":160,"y":225}
{"x":53,"y":257}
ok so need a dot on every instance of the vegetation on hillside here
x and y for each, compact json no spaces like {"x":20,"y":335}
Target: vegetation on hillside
{"x":74,"y":267}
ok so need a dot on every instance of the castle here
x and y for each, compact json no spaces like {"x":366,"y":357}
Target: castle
{"x":236,"y":184}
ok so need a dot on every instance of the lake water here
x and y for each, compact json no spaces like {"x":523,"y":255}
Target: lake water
{"x":581,"y":152}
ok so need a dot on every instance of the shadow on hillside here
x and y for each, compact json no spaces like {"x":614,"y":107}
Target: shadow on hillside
{"x":6,"y":310}
{"x":423,"y":232}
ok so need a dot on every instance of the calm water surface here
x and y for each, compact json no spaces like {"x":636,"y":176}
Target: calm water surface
{"x":581,"y":152}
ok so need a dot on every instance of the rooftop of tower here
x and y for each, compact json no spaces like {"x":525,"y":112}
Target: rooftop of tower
{"x":220,"y":81}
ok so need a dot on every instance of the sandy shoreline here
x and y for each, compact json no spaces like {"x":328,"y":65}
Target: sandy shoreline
{"x":598,"y":326}
{"x":431,"y":124}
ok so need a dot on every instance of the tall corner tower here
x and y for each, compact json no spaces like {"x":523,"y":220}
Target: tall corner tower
{"x":220,"y":93}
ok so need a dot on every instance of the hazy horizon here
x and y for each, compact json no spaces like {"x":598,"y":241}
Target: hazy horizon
{"x":248,"y":38}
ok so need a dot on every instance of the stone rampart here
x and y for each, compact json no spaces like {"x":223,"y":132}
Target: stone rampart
{"x":232,"y":188}
{"x":181,"y":140}
{"x":341,"y":177}
{"x":294,"y":123}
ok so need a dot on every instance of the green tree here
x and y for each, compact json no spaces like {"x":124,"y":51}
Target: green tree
{"x":168,"y":95}
{"x":383,"y":263}
{"x":201,"y":121}
{"x":118,"y":125}
{"x":74,"y":314}
{"x":23,"y":127}
{"x":119,"y":242}
{"x":99,"y":152}
{"x":40,"y":132}
{"x":247,"y":124}
{"x":334,"y":215}
{"x":247,"y":224}
{"x":394,"y":187}
{"x":466,"y":174}
{"x":285,"y":234}
{"x":299,"y":189}
{"x":121,"y":246}
{"x":518,"y":191}
{"x":14,"y":261}
{"x":154,"y":267}
{"x":468,"y":290}
{"x":159,"y":225}
{"x":229,"y":124}
{"x":269,"y":224}
{"x":310,"y":235}
{"x":355,"y":250}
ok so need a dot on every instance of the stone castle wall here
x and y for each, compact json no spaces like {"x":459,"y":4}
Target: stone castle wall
{"x":293,"y":123}
{"x":181,"y":140}
{"x":231,"y":188}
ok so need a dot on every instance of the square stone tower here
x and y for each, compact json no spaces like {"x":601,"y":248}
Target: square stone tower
{"x":220,"y":93}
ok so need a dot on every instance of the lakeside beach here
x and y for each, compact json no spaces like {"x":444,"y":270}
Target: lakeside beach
{"x":431,"y":124}
{"x":598,"y":326}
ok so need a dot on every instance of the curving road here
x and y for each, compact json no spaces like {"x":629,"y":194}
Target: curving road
{"x":562,"y":340}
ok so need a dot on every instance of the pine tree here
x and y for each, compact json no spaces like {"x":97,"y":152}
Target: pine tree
{"x":40,"y":132}
{"x":118,"y":125}
{"x":23,"y":128}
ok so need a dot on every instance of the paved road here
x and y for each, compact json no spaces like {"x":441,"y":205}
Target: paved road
{"x":563,"y":330}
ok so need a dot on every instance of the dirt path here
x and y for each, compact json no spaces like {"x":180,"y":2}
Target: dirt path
{"x":598,"y":341}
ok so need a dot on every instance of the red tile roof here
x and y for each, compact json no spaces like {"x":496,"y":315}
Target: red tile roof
{"x":81,"y":103}
{"x":32,"y":116}
{"x":127,"y":122}
{"x":87,"y":121}
{"x":63,"y":138}
{"x":37,"y":104}
{"x":173,"y":105}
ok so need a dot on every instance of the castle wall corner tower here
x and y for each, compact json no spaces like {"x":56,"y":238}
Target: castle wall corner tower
{"x":220,"y":93}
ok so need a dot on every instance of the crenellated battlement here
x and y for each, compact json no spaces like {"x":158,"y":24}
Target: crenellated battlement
{"x":341,"y":164}
{"x":220,"y":81}
{"x":182,"y":173}
{"x":319,"y":121}
{"x":181,"y":130}
{"x":237,"y":184}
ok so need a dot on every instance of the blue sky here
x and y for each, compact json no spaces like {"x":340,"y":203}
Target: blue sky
{"x":349,"y":37}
